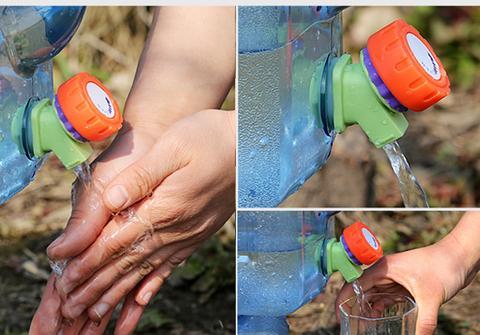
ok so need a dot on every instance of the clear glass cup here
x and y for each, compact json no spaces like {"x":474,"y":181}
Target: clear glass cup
{"x":380,"y":314}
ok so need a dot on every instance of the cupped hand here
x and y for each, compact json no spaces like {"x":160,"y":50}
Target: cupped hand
{"x":89,"y":216}
{"x":172,"y":198}
{"x":431,"y":275}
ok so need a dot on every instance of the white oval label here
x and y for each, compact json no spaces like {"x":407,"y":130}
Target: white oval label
{"x":423,"y":56}
{"x":370,"y":238}
{"x":101,"y":100}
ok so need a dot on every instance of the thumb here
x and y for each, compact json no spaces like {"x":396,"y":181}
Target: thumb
{"x":142,"y":177}
{"x":427,"y":316}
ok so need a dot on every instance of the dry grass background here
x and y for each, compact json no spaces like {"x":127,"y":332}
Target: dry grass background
{"x":199,"y":297}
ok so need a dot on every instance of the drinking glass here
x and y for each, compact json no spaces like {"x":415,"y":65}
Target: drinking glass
{"x":379,"y":314}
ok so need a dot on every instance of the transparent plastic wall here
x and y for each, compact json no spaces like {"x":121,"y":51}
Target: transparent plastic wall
{"x":280,"y":260}
{"x":282,"y":142}
{"x":16,"y":170}
{"x":29,"y":38}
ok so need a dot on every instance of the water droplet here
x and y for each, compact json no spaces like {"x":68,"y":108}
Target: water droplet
{"x":264,"y":141}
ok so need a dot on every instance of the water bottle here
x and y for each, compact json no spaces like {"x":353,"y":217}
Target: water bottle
{"x":280,"y":143}
{"x":34,"y":121}
{"x":296,"y":91}
{"x":284,"y":261}
{"x":29,"y":38}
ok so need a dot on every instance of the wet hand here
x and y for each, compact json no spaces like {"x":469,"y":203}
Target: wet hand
{"x":48,"y":319}
{"x":89,"y":215}
{"x":431,"y":275}
{"x":177,"y":194}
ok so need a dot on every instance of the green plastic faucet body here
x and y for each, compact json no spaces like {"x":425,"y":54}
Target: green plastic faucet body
{"x":398,"y":71}
{"x":83,"y":110}
{"x":357,"y":246}
{"x":338,"y":260}
{"x":48,"y":135}
{"x":356,"y":101}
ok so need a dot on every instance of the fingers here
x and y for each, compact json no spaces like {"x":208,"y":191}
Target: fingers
{"x":378,"y":274}
{"x":137,"y":300}
{"x":89,"y":214}
{"x":89,"y":293}
{"x":121,"y":289}
{"x":87,"y":220}
{"x":118,"y":291}
{"x":427,"y":316}
{"x":47,"y":319}
{"x":154,"y":281}
{"x":119,"y":234}
{"x":139,"y":179}
{"x":129,"y":316}
{"x":74,"y":327}
{"x":96,"y":328}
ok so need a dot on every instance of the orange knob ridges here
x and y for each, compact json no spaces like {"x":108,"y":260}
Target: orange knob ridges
{"x":362,"y":243}
{"x":89,"y":107}
{"x":408,"y":66}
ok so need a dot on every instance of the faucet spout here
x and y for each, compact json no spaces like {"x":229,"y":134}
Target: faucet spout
{"x":356,"y":102}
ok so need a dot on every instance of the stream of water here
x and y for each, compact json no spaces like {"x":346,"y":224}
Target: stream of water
{"x":362,"y":302}
{"x":84,"y":174}
{"x":412,"y":193}
{"x":84,"y":180}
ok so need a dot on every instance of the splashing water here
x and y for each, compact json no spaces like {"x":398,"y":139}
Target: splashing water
{"x":362,"y":302}
{"x":128,"y":216}
{"x":84,"y":179}
{"x":58,"y":266}
{"x":412,"y":193}
{"x":83,"y":173}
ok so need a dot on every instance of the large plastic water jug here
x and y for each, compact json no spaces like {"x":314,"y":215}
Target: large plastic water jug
{"x":296,"y":91}
{"x":280,"y":142}
{"x":284,"y":261}
{"x":29,"y":38}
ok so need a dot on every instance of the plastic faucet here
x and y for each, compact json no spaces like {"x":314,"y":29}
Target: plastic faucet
{"x":358,"y":246}
{"x":398,"y":71}
{"x":274,"y":286}
{"x":83,"y":110}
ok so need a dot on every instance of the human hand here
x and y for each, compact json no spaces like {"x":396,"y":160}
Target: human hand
{"x":431,"y":275}
{"x":178,"y":201}
{"x":48,"y":318}
{"x":205,"y":76}
{"x":89,"y":215}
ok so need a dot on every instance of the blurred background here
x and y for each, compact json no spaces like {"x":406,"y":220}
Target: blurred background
{"x":199,"y":298}
{"x":397,"y":231}
{"x":442,"y":144}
